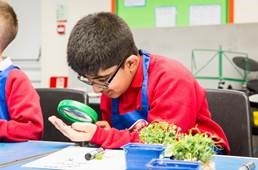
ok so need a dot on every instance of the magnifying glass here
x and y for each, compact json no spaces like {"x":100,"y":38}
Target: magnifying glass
{"x":74,"y":111}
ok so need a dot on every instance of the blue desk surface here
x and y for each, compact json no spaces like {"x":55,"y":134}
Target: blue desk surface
{"x":13,"y":152}
{"x":223,"y":162}
{"x":16,"y":153}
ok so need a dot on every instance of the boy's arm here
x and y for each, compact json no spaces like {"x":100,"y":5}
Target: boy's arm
{"x":26,"y":121}
{"x":114,"y":138}
{"x":212,"y":128}
{"x":105,"y":136}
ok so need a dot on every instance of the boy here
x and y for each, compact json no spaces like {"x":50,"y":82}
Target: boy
{"x":20,"y":113}
{"x":137,"y":87}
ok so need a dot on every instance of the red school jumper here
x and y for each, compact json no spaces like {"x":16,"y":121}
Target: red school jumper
{"x":25,"y":120}
{"x":174,"y":95}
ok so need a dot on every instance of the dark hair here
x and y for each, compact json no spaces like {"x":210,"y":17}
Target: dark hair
{"x":8,"y":23}
{"x":99,"y":41}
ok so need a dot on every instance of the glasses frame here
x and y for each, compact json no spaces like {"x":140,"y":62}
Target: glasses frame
{"x":105,"y":84}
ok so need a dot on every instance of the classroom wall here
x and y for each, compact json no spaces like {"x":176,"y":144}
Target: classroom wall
{"x":245,"y":11}
{"x":182,"y":40}
{"x":53,"y":46}
{"x":25,"y":48}
{"x":180,"y":43}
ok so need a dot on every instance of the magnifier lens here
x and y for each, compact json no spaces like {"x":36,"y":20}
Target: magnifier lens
{"x":74,"y":111}
{"x":77,"y":114}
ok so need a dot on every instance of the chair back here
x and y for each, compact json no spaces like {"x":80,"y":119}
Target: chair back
{"x":231,"y":110}
{"x":49,"y":100}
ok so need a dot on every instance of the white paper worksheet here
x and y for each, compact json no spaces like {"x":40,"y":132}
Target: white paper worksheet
{"x":72,"y":158}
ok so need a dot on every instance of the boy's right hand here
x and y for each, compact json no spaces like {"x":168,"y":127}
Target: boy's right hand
{"x":77,"y":132}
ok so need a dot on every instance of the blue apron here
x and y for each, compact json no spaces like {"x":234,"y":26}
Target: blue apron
{"x":3,"y":106}
{"x":126,"y":120}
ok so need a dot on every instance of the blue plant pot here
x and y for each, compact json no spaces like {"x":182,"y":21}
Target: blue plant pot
{"x":137,"y":155}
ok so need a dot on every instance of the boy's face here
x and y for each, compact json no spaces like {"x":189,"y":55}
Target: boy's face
{"x":115,"y":80}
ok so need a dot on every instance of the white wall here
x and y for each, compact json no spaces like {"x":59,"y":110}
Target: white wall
{"x":245,"y":11}
{"x":53,"y":45}
{"x":179,"y":43}
{"x":25,"y":49}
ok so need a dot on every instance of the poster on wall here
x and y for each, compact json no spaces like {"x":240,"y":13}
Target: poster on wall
{"x":61,"y":16}
{"x":205,"y":14}
{"x":184,"y":13}
{"x":165,"y":16}
{"x":132,"y":3}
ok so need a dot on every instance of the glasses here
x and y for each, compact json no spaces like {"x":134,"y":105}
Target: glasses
{"x":99,"y":83}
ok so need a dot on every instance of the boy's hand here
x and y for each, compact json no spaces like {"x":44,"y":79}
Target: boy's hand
{"x":138,"y":125}
{"x":77,"y":132}
{"x":103,"y":124}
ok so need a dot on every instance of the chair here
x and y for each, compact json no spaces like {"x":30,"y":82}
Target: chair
{"x":49,"y":99}
{"x":93,"y":100}
{"x":231,"y":110}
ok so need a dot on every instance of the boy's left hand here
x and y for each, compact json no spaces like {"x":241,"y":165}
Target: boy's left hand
{"x":77,"y":132}
{"x":103,"y":124}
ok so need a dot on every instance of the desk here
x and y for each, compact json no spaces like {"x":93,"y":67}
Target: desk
{"x":224,"y":162}
{"x":36,"y":149}
{"x":13,"y":153}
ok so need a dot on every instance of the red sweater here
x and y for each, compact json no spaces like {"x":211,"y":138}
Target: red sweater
{"x":26,"y":121}
{"x":174,"y":95}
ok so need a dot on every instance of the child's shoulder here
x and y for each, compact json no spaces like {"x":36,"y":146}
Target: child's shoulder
{"x":17,"y":74}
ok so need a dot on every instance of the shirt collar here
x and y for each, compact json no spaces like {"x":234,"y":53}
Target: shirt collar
{"x":5,"y":63}
{"x":138,"y":78}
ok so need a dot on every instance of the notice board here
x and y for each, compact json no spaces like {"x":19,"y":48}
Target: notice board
{"x":169,"y":13}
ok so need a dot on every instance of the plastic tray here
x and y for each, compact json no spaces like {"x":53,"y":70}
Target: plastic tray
{"x":168,"y":164}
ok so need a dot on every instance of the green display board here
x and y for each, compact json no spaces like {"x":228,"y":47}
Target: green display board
{"x":144,"y":14}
